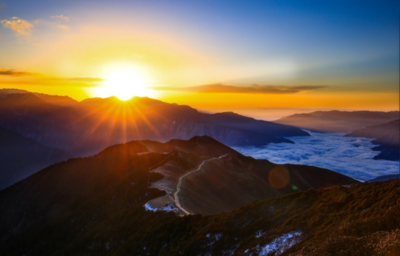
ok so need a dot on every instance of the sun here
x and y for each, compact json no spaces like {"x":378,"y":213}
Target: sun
{"x":124,"y":83}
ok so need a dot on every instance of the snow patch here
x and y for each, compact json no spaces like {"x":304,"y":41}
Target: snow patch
{"x":168,"y":208}
{"x":259,"y":234}
{"x":214,"y":238}
{"x":279,"y":245}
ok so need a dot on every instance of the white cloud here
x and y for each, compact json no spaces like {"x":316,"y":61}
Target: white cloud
{"x":350,"y":156}
{"x":23,"y":27}
{"x":20,"y":26}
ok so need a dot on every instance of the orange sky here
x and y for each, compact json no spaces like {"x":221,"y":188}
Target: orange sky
{"x":84,"y":52}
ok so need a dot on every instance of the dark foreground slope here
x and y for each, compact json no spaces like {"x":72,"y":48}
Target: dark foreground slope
{"x":362,"y":219}
{"x":132,"y":175}
{"x":387,"y":135}
{"x":338,"y":121}
{"x":20,"y":157}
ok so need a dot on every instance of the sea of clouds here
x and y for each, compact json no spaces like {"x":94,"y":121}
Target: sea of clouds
{"x":350,"y":156}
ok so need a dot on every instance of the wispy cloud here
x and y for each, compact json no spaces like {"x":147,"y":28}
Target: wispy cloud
{"x":53,"y":24}
{"x":19,"y":26}
{"x":62,"y":17}
{"x":259,"y":89}
{"x":86,"y":79}
{"x":21,"y":77}
{"x":23,"y":27}
{"x":13,"y":72}
{"x":62,"y":27}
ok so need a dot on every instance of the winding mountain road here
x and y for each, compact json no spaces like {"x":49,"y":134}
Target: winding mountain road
{"x":178,"y":187}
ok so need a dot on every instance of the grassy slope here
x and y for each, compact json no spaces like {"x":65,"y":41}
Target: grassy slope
{"x":360,"y":220}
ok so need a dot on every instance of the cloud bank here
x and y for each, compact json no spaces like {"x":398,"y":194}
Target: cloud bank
{"x":259,"y":89}
{"x":346,"y":155}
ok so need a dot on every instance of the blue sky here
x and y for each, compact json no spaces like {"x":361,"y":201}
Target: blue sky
{"x":346,"y":45}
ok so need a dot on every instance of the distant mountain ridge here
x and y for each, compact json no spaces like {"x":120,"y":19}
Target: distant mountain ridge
{"x":386,"y":134}
{"x":54,"y":99}
{"x":93,"y":124}
{"x":21,"y":157}
{"x":338,"y":121}
{"x":86,"y":127}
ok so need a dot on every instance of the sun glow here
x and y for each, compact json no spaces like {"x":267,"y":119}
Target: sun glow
{"x":124,"y":83}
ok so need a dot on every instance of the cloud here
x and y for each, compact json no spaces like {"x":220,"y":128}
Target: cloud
{"x":85,"y":79}
{"x":62,"y":17}
{"x":21,"y":27}
{"x":55,"y":24}
{"x":29,"y":78}
{"x":350,"y":156}
{"x":259,"y":89}
{"x":13,"y":72}
{"x":62,"y":26}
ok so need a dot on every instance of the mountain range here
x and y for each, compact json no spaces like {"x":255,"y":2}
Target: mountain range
{"x":20,"y":157}
{"x":106,"y":204}
{"x":84,"y":128}
{"x":338,"y":121}
{"x":387,"y":135}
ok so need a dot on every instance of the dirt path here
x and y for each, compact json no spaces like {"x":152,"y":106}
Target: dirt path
{"x":178,"y":187}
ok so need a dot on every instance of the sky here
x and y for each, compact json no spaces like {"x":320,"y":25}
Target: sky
{"x":254,"y":57}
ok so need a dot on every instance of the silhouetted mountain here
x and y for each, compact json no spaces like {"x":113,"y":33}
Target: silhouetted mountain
{"x":94,"y":124}
{"x":53,"y":99}
{"x":386,"y":134}
{"x":338,"y":121}
{"x":21,"y":157}
{"x":385,"y":177}
{"x":105,"y":205}
{"x":37,"y":119}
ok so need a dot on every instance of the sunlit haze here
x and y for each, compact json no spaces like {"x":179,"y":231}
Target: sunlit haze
{"x":212,"y":55}
{"x":124,"y":82}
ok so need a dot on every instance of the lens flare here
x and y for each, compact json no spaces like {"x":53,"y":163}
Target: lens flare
{"x":278,"y":177}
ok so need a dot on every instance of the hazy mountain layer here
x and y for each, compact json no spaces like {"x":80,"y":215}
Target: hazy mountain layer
{"x":20,"y":157}
{"x":338,"y":121}
{"x":89,"y":126}
{"x":53,"y":99}
{"x":386,"y":177}
{"x":387,"y":135}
